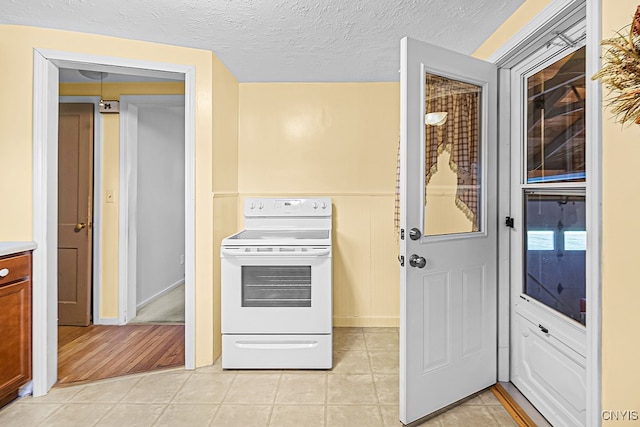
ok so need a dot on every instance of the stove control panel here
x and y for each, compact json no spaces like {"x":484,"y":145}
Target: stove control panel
{"x":320,"y":206}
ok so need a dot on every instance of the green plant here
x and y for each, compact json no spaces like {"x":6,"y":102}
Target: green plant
{"x":620,"y":72}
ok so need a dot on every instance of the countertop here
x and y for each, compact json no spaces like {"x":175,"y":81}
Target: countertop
{"x":8,"y":248}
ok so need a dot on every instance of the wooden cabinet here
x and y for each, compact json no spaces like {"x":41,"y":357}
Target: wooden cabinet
{"x":15,"y":324}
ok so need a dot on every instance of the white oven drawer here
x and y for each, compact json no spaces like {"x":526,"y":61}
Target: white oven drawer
{"x":276,"y":294}
{"x":277,"y":351}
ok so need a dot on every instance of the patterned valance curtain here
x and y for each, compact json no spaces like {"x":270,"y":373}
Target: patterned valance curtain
{"x":460,"y":136}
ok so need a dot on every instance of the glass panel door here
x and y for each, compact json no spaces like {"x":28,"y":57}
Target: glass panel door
{"x":547,"y":346}
{"x":554,"y":252}
{"x":555,"y":121}
{"x":452,"y":156}
{"x":554,"y":186}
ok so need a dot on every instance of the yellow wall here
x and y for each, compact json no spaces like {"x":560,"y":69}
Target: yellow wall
{"x":16,"y":45}
{"x":620,"y":236}
{"x":338,"y":140}
{"x":110,"y":175}
{"x":225,"y":176}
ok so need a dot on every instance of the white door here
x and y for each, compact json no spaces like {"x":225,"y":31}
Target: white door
{"x":448,"y":331}
{"x":549,"y":238}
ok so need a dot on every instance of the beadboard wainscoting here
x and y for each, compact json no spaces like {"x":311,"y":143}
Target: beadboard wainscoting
{"x":365,"y":258}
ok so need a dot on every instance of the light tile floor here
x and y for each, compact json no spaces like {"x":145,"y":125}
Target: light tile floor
{"x":361,"y":390}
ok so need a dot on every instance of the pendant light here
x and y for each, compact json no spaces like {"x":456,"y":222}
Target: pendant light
{"x":95,"y":75}
{"x":101,"y":97}
{"x":435,"y":119}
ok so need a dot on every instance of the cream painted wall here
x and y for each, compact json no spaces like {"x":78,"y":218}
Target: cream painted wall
{"x":17,"y":44}
{"x":338,"y":140}
{"x":110,"y":175}
{"x":225,"y":177}
{"x":620,"y":234}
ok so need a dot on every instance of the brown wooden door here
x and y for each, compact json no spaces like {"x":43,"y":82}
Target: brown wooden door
{"x":75,"y":193}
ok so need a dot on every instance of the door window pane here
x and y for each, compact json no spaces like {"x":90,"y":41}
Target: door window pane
{"x":452,"y":156}
{"x":555,"y":271}
{"x":555,"y":121}
{"x":276,"y":286}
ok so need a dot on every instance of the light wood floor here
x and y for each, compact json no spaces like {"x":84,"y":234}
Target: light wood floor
{"x":96,"y":352}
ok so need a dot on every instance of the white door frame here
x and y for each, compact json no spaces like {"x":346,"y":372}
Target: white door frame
{"x":45,"y":197}
{"x":515,"y":50}
{"x":97,"y":206}
{"x":127,"y":239}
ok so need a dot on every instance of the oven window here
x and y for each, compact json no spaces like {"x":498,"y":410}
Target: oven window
{"x":276,"y":286}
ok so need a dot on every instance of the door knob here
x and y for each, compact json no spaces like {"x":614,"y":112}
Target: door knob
{"x":414,"y":234}
{"x":417,"y":261}
{"x":79,"y":226}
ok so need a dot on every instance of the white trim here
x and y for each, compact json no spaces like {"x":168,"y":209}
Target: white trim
{"x":136,"y":67}
{"x":112,"y":321}
{"x":45,"y":218}
{"x":159,"y":294}
{"x":190,"y":218}
{"x":405,"y":75}
{"x":537,"y":31}
{"x":127,"y":235}
{"x":97,"y":205}
{"x":45,"y":112}
{"x":504,"y":210}
{"x":593,"y":129}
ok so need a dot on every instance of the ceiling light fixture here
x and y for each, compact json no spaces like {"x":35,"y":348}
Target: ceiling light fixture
{"x":436,"y":119}
{"x":95,"y":75}
{"x":101,"y":103}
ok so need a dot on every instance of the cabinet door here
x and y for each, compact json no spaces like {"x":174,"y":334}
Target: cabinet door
{"x":15,"y":330}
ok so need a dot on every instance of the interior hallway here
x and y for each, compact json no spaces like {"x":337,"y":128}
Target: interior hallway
{"x":361,"y":390}
{"x":97,"y":352}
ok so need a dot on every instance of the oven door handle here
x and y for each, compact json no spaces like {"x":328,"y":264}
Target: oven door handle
{"x":239,"y":252}
{"x":276,"y":345}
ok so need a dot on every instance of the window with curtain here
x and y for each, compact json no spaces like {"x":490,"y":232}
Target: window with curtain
{"x":457,"y":134}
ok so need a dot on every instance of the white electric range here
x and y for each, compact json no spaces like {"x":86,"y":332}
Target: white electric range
{"x":276,"y":286}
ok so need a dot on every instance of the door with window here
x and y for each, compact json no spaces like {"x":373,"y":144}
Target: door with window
{"x":448,"y":347}
{"x":548,"y":241}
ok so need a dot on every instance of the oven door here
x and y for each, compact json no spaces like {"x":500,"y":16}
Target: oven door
{"x":276,"y":290}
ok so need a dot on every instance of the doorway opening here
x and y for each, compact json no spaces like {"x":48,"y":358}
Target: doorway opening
{"x":548,"y":245}
{"x":157,"y":132}
{"x":580,"y":22}
{"x":46,"y":95}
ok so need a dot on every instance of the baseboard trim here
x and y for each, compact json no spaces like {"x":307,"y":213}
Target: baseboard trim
{"x":159,"y":294}
{"x":366,"y":322}
{"x":106,"y":321}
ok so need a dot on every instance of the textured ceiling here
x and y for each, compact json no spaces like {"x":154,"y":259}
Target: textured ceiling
{"x":280,"y":40}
